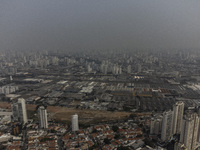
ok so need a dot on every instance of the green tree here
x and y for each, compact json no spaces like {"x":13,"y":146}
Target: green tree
{"x":122,"y":148}
{"x":94,"y":131}
{"x":106,"y":141}
{"x":117,"y":136}
{"x":115,"y":128}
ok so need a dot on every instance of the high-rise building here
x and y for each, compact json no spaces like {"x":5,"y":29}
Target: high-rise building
{"x":129,"y":69}
{"x":120,"y":70}
{"x":75,"y":126}
{"x":198,"y":136}
{"x":42,"y":113}
{"x":166,"y":132}
{"x":15,"y":114}
{"x":178,"y":110}
{"x":104,"y":68}
{"x":11,"y":78}
{"x":189,"y":131}
{"x":156,"y":124}
{"x":22,"y":114}
{"x":89,"y":69}
{"x":139,"y":68}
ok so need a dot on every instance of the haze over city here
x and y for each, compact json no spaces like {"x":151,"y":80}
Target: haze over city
{"x":101,"y":25}
{"x":100,"y":75}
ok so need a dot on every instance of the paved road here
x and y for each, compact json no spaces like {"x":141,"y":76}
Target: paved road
{"x":3,"y":113}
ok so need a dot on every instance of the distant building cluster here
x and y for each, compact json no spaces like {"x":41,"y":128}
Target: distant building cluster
{"x":7,"y":89}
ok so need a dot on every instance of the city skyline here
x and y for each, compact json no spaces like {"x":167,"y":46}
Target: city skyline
{"x":88,"y":74}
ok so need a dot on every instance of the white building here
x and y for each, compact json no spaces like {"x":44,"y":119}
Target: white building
{"x":89,"y":69}
{"x":22,"y":114}
{"x":129,"y":69}
{"x":156,"y":124}
{"x":7,"y":89}
{"x":166,"y":132}
{"x":198,"y":136}
{"x":139,"y":68}
{"x":178,"y":110}
{"x":75,"y":126}
{"x":42,"y":113}
{"x":189,"y":131}
{"x":104,"y":69}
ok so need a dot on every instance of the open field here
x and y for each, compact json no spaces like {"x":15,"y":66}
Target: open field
{"x":5,"y":105}
{"x":85,"y":116}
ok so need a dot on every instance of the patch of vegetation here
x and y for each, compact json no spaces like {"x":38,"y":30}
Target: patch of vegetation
{"x":46,"y":139}
{"x":106,"y":141}
{"x":115,"y":128}
{"x":84,"y":125}
{"x":95,"y":146}
{"x":117,"y":136}
{"x":2,"y":147}
{"x":53,"y":131}
{"x":123,"y":148}
{"x":31,"y":114}
{"x":133,"y":116}
{"x":149,"y":142}
{"x":94,"y":131}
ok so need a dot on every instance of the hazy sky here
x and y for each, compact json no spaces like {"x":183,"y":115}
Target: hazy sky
{"x":99,"y":24}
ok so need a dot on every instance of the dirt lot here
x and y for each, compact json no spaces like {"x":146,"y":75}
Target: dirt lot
{"x":5,"y":105}
{"x":85,"y":116}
